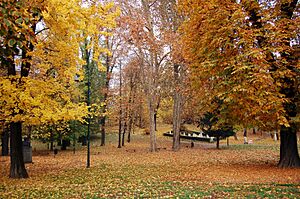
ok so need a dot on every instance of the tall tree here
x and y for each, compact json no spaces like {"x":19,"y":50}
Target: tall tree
{"x":244,"y":54}
{"x":44,"y":89}
{"x":134,"y":94}
{"x":116,"y":50}
{"x":18,"y":21}
{"x":143,"y":34}
{"x":152,"y":28}
{"x":289,"y":155}
{"x":171,"y":20}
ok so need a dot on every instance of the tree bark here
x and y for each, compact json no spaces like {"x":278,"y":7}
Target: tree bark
{"x":120,"y":132}
{"x":131,"y":102}
{"x":176,"y":123}
{"x":245,"y":136}
{"x":123,"y":134}
{"x":65,"y":144}
{"x":51,"y":139}
{"x":5,"y":142}
{"x":176,"y":112}
{"x":155,"y":120}
{"x":153,"y":147}
{"x":289,"y":156}
{"x":218,"y":142}
{"x":17,"y":166}
{"x":129,"y":129}
{"x":102,"y":130}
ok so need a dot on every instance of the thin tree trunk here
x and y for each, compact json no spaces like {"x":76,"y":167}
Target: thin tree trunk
{"x":51,"y":145}
{"x":64,"y":145}
{"x":245,"y":136}
{"x":289,"y":155}
{"x":176,"y":111}
{"x":5,"y":142}
{"x":102,"y":130}
{"x":153,"y":147}
{"x":140,"y":117}
{"x":51,"y":139}
{"x":155,"y":120}
{"x":120,"y":132}
{"x":131,"y":101}
{"x":129,"y":129}
{"x":120,"y":109}
{"x":17,"y":166}
{"x":218,"y":142}
{"x":124,"y":132}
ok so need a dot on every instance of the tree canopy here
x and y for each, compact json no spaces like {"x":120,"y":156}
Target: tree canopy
{"x":236,"y":52}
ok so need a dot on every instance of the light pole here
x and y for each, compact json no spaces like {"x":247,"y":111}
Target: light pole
{"x":89,"y":119}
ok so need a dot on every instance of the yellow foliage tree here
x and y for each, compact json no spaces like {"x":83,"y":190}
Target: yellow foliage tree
{"x":45,"y":40}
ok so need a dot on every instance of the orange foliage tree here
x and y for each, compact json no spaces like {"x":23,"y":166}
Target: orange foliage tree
{"x":244,"y":54}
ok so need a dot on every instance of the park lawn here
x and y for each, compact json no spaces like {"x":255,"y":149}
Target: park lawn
{"x":236,"y":171}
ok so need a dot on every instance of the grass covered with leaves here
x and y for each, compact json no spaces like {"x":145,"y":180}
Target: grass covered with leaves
{"x":236,"y":171}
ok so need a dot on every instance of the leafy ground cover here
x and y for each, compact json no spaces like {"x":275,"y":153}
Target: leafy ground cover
{"x":236,"y":171}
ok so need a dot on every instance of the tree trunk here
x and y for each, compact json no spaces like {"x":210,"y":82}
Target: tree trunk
{"x":155,"y":120}
{"x":120,"y":109}
{"x":64,"y":144}
{"x":151,"y":124}
{"x":51,"y":145}
{"x":120,"y":132}
{"x":124,"y":132}
{"x":129,"y":129}
{"x":176,"y":121}
{"x":245,"y":136}
{"x":140,"y":117}
{"x":84,"y":140}
{"x":51,"y":139}
{"x":176,"y":110}
{"x":17,"y":166}
{"x":131,"y":101}
{"x":289,"y":156}
{"x":218,"y":142}
{"x":5,"y":142}
{"x":103,"y":120}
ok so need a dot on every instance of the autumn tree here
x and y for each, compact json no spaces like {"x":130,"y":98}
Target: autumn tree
{"x":16,"y":18}
{"x":171,"y":21}
{"x":152,"y":34}
{"x":133,"y":99}
{"x":244,"y":53}
{"x":145,"y":45}
{"x":43,"y":38}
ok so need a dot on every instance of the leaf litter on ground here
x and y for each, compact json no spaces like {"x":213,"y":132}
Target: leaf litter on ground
{"x":134,"y":172}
